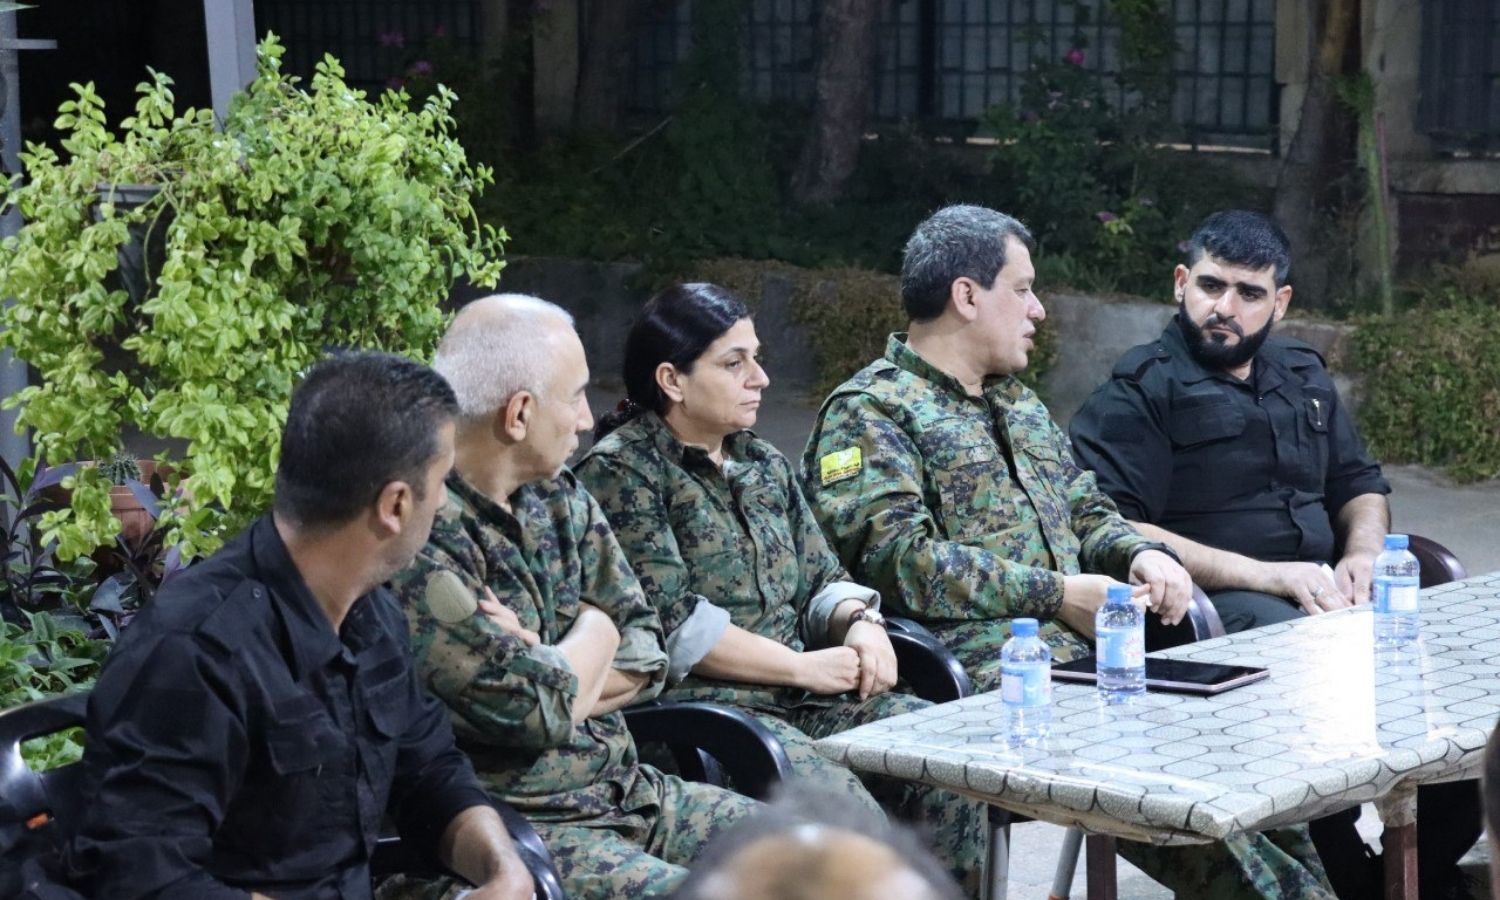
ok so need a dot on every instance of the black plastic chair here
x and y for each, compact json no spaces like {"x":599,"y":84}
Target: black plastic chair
{"x":711,"y":742}
{"x":33,"y":803}
{"x":929,"y":668}
{"x":1439,"y":564}
{"x":1201,"y":623}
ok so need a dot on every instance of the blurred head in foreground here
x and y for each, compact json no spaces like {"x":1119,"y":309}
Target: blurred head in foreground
{"x":808,"y":844}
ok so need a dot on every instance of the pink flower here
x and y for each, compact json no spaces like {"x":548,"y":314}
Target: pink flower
{"x":391,"y":39}
{"x":440,"y":31}
{"x":394,"y":83}
{"x":1074,"y":57}
{"x":420,"y":67}
{"x":1105,"y":216}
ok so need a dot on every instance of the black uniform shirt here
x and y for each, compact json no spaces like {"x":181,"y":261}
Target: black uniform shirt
{"x":236,"y":744}
{"x":1260,"y":467}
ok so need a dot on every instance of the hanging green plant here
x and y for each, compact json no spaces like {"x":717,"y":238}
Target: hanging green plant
{"x":313,"y":219}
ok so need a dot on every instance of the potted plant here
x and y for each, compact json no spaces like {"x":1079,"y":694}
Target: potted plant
{"x":314,"y":218}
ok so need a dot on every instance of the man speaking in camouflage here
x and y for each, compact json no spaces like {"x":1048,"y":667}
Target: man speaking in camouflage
{"x":943,"y":483}
{"x":528,"y":622}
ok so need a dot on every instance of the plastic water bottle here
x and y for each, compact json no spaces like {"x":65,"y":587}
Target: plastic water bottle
{"x":1397,"y":580}
{"x":1026,"y":684}
{"x":1121,"y":661}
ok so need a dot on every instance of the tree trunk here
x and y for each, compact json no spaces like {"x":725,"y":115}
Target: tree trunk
{"x":846,"y":53}
{"x":1323,"y":139}
{"x":605,"y":62}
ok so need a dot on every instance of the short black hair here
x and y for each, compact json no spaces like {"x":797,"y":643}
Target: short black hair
{"x":954,"y":242}
{"x":676,"y":326}
{"x":1243,"y":238}
{"x":357,"y":422}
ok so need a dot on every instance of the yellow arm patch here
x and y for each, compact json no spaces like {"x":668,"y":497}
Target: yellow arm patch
{"x":839,"y":465}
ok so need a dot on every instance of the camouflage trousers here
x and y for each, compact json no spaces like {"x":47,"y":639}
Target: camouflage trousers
{"x":636,"y":853}
{"x":1280,"y":864}
{"x":954,"y":826}
{"x":1271,"y":865}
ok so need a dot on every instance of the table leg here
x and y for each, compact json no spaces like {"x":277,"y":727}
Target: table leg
{"x":1100,"y":854}
{"x":1398,"y":812}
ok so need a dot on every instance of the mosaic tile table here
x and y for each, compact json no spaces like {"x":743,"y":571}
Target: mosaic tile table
{"x":1336,"y":724}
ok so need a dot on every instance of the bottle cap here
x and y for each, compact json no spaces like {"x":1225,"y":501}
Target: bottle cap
{"x":1023,"y":628}
{"x":1118,"y":593}
{"x":1396,"y":542}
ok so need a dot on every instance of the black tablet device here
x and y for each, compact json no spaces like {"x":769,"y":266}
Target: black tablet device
{"x":1183,"y":676}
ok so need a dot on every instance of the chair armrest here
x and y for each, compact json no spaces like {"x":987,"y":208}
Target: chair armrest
{"x":1201,"y":623}
{"x":393,"y":856}
{"x":532,"y":851}
{"x":903,"y":625}
{"x":748,"y":751}
{"x":1439,"y":564}
{"x":929,"y":667}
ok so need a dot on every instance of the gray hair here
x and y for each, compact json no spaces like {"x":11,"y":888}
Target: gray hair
{"x":955,"y":242}
{"x":496,"y":347}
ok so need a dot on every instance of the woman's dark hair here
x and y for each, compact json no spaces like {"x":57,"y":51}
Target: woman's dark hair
{"x":676,"y":326}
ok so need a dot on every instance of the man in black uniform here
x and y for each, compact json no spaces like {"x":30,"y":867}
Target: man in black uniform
{"x":1233,"y":447}
{"x":254,"y":724}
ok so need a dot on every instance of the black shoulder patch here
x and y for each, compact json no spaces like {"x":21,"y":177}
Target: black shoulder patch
{"x":1139,"y":359}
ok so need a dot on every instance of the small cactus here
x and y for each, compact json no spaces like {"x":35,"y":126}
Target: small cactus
{"x":121,"y":468}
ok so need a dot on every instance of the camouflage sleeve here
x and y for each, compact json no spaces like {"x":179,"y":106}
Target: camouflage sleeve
{"x":498,"y":690}
{"x":1107,"y":542}
{"x":610,"y":584}
{"x":693,"y":624}
{"x":823,"y":583}
{"x":877,"y":521}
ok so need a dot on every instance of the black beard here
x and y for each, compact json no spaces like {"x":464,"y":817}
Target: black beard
{"x":1213,"y":355}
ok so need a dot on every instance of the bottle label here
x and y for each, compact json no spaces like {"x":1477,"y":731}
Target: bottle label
{"x":1122,"y":648}
{"x":1395,"y":595}
{"x":1026,"y":683}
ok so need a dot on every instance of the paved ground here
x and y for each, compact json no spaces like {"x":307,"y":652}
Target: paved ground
{"x":1465,"y":518}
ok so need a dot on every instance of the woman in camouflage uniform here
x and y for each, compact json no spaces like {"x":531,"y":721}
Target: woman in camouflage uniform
{"x":757,"y":609}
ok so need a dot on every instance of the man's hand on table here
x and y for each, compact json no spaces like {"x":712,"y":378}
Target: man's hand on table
{"x":1313,"y":586}
{"x":1170,"y":589}
{"x":1354,"y":574}
{"x":1084,"y":594}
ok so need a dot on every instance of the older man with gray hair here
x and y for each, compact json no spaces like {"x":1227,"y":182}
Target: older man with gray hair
{"x":528,"y":623}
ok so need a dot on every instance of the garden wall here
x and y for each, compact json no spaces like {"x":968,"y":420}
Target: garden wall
{"x":1091,"y":331}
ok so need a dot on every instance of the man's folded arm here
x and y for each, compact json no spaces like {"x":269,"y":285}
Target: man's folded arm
{"x":503,"y":692}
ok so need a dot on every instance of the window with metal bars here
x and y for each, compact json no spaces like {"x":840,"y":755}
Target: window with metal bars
{"x":370,"y":38}
{"x":947,"y":61}
{"x":1460,"y":76}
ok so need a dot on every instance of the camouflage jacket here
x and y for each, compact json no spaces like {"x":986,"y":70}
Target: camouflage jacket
{"x":958,"y":508}
{"x":706,"y":542}
{"x":511,"y":704}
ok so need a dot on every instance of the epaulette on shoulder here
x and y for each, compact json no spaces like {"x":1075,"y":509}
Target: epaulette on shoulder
{"x":1300,"y":353}
{"x":225,"y":623}
{"x":1139,"y":359}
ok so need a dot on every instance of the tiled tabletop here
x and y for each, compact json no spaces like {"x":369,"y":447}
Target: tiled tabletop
{"x":1337,"y":723}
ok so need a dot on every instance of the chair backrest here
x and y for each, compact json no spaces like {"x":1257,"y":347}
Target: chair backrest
{"x":33,"y":803}
{"x":1439,"y":565}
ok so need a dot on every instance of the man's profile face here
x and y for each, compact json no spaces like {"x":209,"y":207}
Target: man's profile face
{"x":1007,"y":313}
{"x":418,"y":525}
{"x":1227,"y":310}
{"x":562,"y":406}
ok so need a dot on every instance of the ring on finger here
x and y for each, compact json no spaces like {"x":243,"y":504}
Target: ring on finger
{"x":1317,"y":591}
